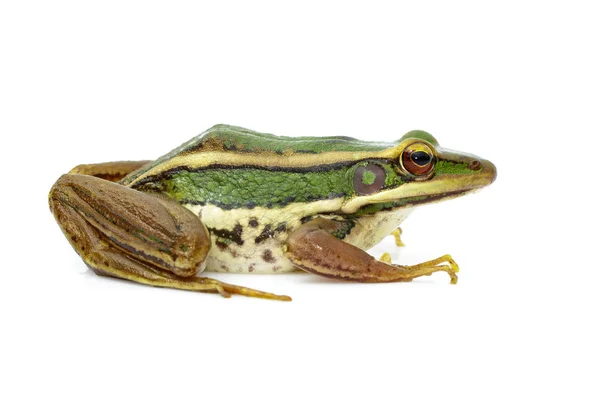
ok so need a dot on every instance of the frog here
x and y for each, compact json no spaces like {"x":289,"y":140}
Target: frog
{"x":240,"y":201}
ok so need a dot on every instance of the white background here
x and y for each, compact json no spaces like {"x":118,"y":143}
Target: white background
{"x":515,"y":82}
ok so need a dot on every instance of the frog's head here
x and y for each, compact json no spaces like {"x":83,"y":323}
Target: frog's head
{"x":416,"y":171}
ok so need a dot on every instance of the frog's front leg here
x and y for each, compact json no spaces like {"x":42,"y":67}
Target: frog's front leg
{"x":140,"y":237}
{"x":314,"y":249}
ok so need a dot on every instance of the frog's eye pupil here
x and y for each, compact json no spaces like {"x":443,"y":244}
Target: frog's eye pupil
{"x":369,"y":179}
{"x":420,"y":158}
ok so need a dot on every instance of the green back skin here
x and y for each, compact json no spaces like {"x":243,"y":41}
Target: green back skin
{"x":237,"y":139}
{"x":232,"y":186}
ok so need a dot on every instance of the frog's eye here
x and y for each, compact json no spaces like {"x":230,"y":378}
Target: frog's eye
{"x":418,"y":159}
{"x":369,"y":179}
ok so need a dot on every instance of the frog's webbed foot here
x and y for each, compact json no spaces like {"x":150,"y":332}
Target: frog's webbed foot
{"x":396,"y":234}
{"x":127,"y":234}
{"x":444,"y":263}
{"x":314,"y":249}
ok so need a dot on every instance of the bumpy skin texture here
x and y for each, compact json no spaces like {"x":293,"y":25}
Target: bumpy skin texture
{"x":249,"y":188}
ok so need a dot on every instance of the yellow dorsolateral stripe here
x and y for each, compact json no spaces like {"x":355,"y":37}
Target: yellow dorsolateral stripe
{"x":205,"y":159}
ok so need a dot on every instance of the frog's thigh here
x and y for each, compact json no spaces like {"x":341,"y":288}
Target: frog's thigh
{"x":132,"y":235}
{"x":314,"y":249}
{"x":111,"y":171}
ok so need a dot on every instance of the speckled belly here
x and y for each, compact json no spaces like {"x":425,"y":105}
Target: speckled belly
{"x":266,"y":258}
{"x":252,"y":241}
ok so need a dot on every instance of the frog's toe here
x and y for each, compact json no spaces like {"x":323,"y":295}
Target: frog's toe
{"x":396,"y":234}
{"x":386,"y":258}
{"x":448,"y":258}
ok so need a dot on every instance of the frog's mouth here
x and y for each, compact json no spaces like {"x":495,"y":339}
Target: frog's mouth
{"x":441,"y":186}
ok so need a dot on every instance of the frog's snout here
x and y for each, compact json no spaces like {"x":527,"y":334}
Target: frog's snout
{"x":487,"y":168}
{"x":477,"y":172}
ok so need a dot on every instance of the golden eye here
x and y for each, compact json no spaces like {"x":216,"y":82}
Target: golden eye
{"x":418,"y":159}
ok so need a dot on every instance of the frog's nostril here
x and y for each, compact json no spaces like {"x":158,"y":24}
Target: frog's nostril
{"x":475,"y":165}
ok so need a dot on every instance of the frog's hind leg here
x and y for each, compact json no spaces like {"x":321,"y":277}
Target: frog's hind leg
{"x":127,"y":234}
{"x":110,"y":171}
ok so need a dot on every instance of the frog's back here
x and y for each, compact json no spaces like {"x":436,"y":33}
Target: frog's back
{"x":233,"y":139}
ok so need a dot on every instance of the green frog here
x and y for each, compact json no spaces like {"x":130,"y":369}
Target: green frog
{"x":235,"y":200}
